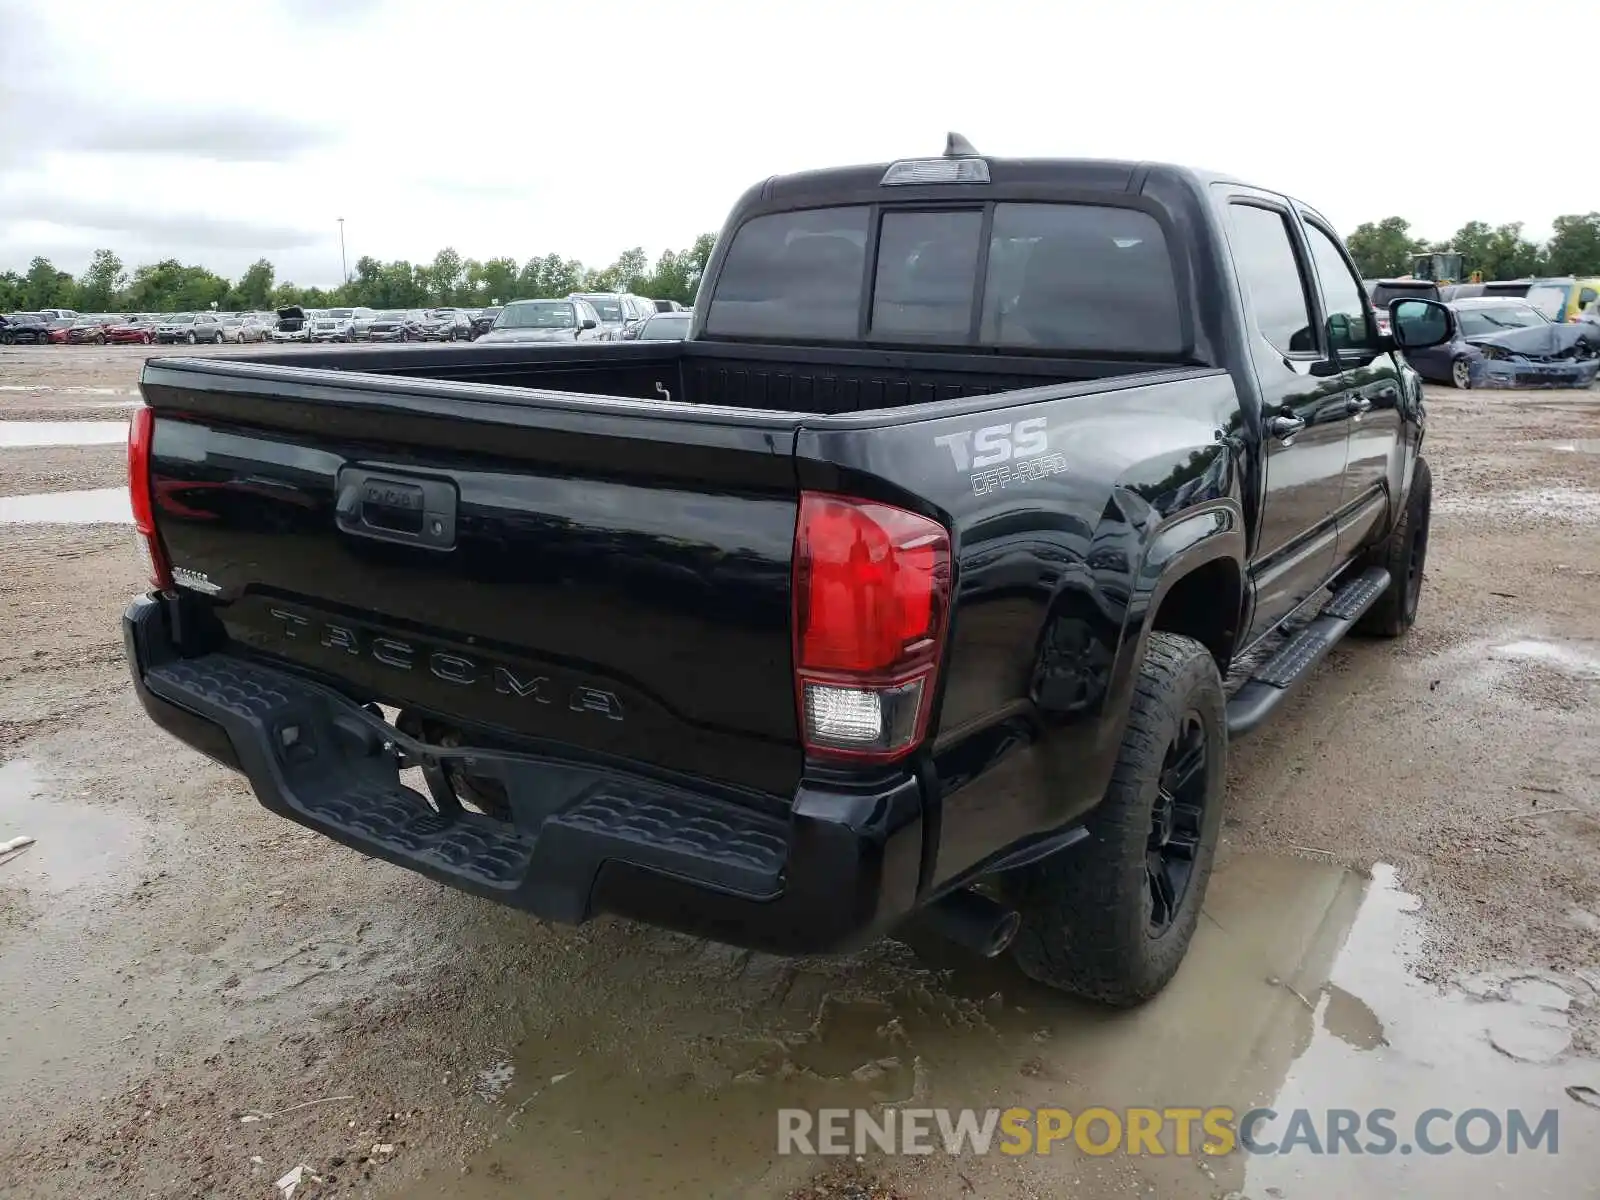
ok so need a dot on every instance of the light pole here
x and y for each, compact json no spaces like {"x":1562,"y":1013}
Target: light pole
{"x":344,"y":271}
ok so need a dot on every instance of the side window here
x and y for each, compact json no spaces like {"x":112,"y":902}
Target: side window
{"x":1264,"y":255}
{"x":1586,"y":298}
{"x":1342,"y":298}
{"x":927,"y":270}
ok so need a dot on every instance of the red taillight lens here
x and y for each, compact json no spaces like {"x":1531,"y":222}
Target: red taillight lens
{"x":871,"y":598}
{"x":141,"y":429}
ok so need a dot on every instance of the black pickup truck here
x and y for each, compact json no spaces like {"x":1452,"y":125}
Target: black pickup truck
{"x":908,"y":586}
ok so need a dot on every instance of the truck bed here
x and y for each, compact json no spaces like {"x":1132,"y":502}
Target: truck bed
{"x":779,"y":379}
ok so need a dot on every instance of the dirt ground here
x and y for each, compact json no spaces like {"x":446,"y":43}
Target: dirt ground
{"x":197,"y":998}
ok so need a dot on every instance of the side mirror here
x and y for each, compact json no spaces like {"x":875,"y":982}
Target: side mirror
{"x":589,"y":323}
{"x":1418,"y":324}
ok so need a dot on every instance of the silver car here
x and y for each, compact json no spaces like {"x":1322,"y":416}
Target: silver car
{"x":570,"y":320}
{"x":620,"y":312}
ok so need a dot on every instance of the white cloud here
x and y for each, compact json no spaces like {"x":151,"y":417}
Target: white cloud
{"x":225,"y":133}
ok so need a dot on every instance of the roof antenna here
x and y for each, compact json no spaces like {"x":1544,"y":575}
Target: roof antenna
{"x":956,"y":146}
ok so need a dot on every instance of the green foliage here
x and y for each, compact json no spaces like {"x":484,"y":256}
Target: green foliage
{"x":169,"y":286}
{"x":45,"y":287}
{"x":1384,"y":249}
{"x":98,"y":288}
{"x":1575,"y":248}
{"x":13,"y":291}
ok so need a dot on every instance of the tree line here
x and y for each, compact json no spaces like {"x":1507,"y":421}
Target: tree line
{"x":172,"y":286}
{"x":1383,"y":249}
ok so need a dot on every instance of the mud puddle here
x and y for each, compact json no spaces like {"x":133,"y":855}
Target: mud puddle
{"x":16,"y":435}
{"x":1448,"y":1072}
{"x":96,"y":506}
{"x":74,"y":844}
{"x":1295,"y":995}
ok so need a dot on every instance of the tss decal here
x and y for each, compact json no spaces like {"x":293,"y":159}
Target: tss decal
{"x":1000,"y":455}
{"x":996,"y":443}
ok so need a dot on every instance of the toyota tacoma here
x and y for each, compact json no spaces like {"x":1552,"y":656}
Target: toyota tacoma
{"x":927,"y":580}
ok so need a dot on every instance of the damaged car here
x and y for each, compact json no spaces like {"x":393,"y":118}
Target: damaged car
{"x":1510,"y":343}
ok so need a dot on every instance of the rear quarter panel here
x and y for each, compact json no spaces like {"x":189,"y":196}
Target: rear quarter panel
{"x":1070,"y":509}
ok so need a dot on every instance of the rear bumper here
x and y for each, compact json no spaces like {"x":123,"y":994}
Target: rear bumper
{"x":836,"y":872}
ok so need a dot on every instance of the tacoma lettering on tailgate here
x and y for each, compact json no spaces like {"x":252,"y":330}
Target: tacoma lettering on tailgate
{"x":447,"y":665}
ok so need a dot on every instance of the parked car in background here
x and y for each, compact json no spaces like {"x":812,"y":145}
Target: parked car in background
{"x":571,"y":320}
{"x":1564,"y":299}
{"x":257,"y":327}
{"x":191,"y":328}
{"x":134,"y":331}
{"x":59,"y":314}
{"x":361,"y":323}
{"x":1506,"y":341}
{"x":291,"y":324}
{"x":28,"y":328}
{"x":86,"y":331}
{"x":1385,"y":291}
{"x":1461,"y":291}
{"x":665,"y":327}
{"x":337,"y":324}
{"x":59,"y":327}
{"x":446,"y":325}
{"x":666,"y":306}
{"x":483,"y":320}
{"x":330,"y":329}
{"x":396,"y":325}
{"x":617,"y":310}
{"x":232,"y":327}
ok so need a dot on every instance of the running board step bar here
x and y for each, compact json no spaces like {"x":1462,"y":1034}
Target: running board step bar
{"x":1271,"y":682}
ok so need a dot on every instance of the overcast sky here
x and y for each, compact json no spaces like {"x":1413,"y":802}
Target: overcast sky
{"x":221,"y":133}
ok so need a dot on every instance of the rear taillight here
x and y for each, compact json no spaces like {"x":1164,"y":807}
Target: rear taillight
{"x":140,"y":431}
{"x":871,"y":602}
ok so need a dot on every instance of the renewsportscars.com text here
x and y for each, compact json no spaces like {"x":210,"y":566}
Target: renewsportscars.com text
{"x":1213,"y":1131}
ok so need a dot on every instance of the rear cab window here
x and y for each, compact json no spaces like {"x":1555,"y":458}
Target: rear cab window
{"x":1068,"y":278}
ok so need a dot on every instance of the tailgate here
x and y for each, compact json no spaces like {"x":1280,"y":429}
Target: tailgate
{"x":605,"y":576}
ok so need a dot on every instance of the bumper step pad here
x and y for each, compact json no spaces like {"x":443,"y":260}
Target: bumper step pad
{"x":319,"y":758}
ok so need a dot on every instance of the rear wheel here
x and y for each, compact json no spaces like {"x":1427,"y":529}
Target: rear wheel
{"x":1461,"y":374}
{"x":1112,"y":918}
{"x":7,"y":338}
{"x":1404,"y":554}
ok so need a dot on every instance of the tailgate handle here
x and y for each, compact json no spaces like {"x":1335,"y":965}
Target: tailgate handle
{"x":397,"y":508}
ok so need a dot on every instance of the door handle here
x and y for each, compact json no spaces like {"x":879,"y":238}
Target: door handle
{"x":1285,"y":427}
{"x":1357,"y":405}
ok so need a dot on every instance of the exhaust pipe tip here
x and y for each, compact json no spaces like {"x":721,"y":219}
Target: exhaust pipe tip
{"x":974,"y":922}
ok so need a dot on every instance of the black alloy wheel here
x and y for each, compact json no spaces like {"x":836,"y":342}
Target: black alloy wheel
{"x":1176,"y":821}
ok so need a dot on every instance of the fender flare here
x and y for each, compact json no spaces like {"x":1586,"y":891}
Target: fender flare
{"x":1208,"y":533}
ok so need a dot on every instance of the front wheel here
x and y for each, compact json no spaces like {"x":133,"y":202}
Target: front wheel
{"x":1404,"y":554}
{"x":7,"y":339}
{"x":190,"y":338}
{"x":1461,"y":374}
{"x":1111,"y":918}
